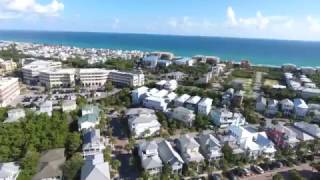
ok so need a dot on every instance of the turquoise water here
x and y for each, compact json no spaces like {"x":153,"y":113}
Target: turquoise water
{"x":258,"y":51}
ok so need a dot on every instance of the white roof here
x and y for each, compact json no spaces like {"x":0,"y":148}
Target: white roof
{"x":161,"y":83}
{"x":300,"y":103}
{"x":183,"y":98}
{"x":7,"y":81}
{"x":194,"y":100}
{"x":205,"y":102}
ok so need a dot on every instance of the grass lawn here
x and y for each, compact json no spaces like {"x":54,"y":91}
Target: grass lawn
{"x":270,"y":82}
{"x":247,"y":86}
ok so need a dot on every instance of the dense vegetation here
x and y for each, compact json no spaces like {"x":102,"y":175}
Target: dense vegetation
{"x":242,"y":73}
{"x":26,"y":140}
{"x":316,"y":78}
{"x":278,"y":93}
{"x":11,"y":53}
{"x":119,"y":64}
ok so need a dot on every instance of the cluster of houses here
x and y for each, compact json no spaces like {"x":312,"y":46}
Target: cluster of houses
{"x":196,"y":149}
{"x":271,"y":107}
{"x":302,"y":84}
{"x":93,"y":145}
{"x":231,"y":97}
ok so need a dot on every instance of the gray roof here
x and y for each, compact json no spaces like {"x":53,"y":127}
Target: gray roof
{"x":91,"y":135}
{"x":95,"y":169}
{"x":50,"y":164}
{"x":187,"y":142}
{"x":168,"y":154}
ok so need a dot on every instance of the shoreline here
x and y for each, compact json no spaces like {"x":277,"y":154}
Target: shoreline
{"x":143,"y":51}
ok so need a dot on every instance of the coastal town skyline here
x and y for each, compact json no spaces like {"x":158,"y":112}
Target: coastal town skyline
{"x":266,"y":20}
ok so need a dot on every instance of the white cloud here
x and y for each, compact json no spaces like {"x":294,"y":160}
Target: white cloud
{"x":259,"y":20}
{"x":18,"y":8}
{"x":115,"y":23}
{"x":314,"y":24}
{"x":231,"y":16}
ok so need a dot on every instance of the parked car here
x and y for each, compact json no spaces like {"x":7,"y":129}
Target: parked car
{"x":215,"y":177}
{"x":257,"y":169}
{"x":232,"y":176}
{"x":264,"y":166}
{"x":277,"y":164}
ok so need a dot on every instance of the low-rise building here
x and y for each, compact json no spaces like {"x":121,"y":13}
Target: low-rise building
{"x":223,"y":118}
{"x":169,"y":156}
{"x":179,"y":101}
{"x":14,"y":115}
{"x":283,"y":136}
{"x":210,"y":147}
{"x":255,"y":143}
{"x":238,"y":98}
{"x":261,"y":104}
{"x":149,"y":157}
{"x":49,"y":165}
{"x":90,"y":117}
{"x":204,"y":106}
{"x":69,"y":105}
{"x":154,"y":102}
{"x":137,"y":95}
{"x":142,"y":124}
{"x":184,"y":115}
{"x":273,"y":107}
{"x":300,"y":108}
{"x":9,"y":171}
{"x":9,"y":90}
{"x":311,"y":129}
{"x":92,"y":142}
{"x":189,"y":149}
{"x":192,"y":103}
{"x":46,"y":107}
{"x":95,"y":168}
{"x":287,"y":106}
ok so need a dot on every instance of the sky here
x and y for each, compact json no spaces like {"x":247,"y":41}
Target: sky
{"x":270,"y":19}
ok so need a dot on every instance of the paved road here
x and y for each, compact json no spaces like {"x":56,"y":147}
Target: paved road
{"x":304,"y":169}
{"x":257,"y":84}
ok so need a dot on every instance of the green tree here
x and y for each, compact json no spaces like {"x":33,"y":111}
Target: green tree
{"x":227,"y":153}
{"x":29,"y":164}
{"x":73,"y":143}
{"x":277,"y":177}
{"x":108,"y":86}
{"x":201,"y":122}
{"x":72,"y":167}
{"x":294,"y":175}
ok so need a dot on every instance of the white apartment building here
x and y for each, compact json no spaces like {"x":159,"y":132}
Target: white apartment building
{"x":204,"y":106}
{"x":9,"y":90}
{"x":93,"y":77}
{"x":57,"y":77}
{"x":126,"y":78}
{"x":31,"y":71}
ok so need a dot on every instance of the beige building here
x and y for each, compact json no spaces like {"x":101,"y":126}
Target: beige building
{"x":126,"y":78}
{"x":32,"y":71}
{"x":7,"y":66}
{"x":9,"y":90}
{"x":53,"y":78}
{"x":93,"y":77}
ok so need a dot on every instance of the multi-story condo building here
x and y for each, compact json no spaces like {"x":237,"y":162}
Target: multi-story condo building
{"x":93,"y":77}
{"x":8,"y":66}
{"x":32,"y":71}
{"x":126,"y":78}
{"x":9,"y":90}
{"x":57,"y":77}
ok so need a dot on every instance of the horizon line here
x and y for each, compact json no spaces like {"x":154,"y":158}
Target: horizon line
{"x":157,"y":34}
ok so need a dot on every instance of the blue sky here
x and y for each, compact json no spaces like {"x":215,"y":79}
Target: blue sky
{"x":276,"y":19}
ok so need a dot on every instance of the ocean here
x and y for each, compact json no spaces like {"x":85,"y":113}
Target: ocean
{"x":258,"y":51}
